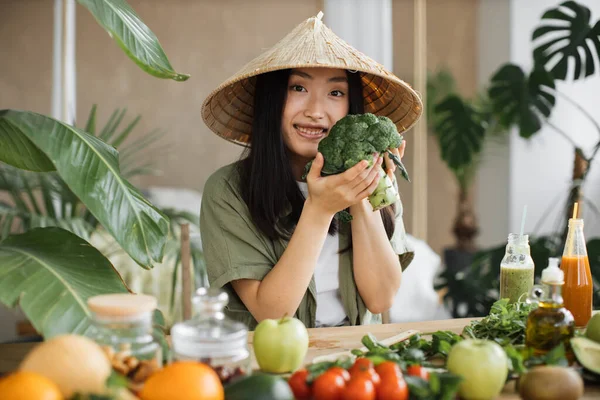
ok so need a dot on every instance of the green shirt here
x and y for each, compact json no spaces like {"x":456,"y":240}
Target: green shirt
{"x":234,"y":249}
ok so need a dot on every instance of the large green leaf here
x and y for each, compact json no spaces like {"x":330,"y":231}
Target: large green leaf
{"x":521,"y":100}
{"x":51,"y":273}
{"x":91,"y":170}
{"x":459,"y":130}
{"x":568,"y":36}
{"x":440,"y":84}
{"x":133,"y":36}
{"x":593,"y":248}
{"x":14,"y":145}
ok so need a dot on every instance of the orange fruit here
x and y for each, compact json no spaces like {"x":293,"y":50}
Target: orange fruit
{"x":183,"y":380}
{"x":25,"y":385}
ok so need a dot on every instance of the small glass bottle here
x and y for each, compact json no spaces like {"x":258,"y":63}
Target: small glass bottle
{"x":516,"y":269}
{"x":122,"y":326}
{"x":550,"y":323}
{"x":578,"y":290}
{"x":211,"y":338}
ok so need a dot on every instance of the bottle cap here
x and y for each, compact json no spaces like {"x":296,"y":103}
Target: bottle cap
{"x":121,"y":304}
{"x":552,"y":273}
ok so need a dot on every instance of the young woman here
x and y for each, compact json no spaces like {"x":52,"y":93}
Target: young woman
{"x":270,"y":239}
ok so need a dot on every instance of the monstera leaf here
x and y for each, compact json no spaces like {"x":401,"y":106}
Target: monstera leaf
{"x":568,"y":36}
{"x":459,"y":130}
{"x":91,"y":170}
{"x":133,"y":36}
{"x":51,"y":273}
{"x":521,"y":100}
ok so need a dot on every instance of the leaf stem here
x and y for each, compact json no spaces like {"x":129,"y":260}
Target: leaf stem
{"x":563,"y":133}
{"x":579,"y":107}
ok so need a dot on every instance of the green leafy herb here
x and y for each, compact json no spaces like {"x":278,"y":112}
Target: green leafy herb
{"x":516,"y":358}
{"x":317,"y":369}
{"x":441,"y":386}
{"x":505,"y":324}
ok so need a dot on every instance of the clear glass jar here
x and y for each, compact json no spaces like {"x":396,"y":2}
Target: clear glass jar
{"x":211,"y":338}
{"x":517,"y":270}
{"x":122,"y":326}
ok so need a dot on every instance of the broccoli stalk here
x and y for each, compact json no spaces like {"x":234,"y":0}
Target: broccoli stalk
{"x":355,"y":138}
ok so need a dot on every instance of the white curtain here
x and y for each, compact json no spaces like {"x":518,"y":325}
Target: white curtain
{"x":365,"y":24}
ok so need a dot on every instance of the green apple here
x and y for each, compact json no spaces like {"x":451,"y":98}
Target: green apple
{"x":280,"y":345}
{"x":482,"y":364}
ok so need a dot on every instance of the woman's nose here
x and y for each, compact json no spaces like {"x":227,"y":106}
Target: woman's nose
{"x":314,"y":108}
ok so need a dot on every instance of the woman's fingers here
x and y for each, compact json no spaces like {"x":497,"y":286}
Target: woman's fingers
{"x":369,"y":189}
{"x":353,"y":173}
{"x":400,"y":150}
{"x":390,"y":166}
{"x":373,"y":176}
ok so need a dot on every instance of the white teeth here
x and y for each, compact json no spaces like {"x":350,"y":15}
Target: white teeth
{"x":310,"y":131}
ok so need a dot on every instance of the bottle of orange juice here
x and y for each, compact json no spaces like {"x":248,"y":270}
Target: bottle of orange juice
{"x":578,"y":286}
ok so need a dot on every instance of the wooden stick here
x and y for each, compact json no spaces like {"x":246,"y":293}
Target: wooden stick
{"x":402,"y":336}
{"x":419,"y":136}
{"x":186,"y":282}
{"x":575,"y":210}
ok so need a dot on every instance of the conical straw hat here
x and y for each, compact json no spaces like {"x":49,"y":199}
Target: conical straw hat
{"x":228,"y":110}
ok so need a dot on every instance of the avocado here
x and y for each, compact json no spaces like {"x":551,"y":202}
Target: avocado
{"x":587,"y":352}
{"x":259,"y":386}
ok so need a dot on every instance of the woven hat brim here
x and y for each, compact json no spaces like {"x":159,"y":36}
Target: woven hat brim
{"x":228,"y":110}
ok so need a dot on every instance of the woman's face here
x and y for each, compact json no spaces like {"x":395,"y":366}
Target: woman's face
{"x":316,"y":99}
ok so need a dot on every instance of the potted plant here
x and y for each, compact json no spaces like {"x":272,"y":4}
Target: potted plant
{"x":51,"y":271}
{"x":515,"y":98}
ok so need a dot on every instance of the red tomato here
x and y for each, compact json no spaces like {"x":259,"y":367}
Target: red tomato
{"x":419,"y":371}
{"x":341,"y":372}
{"x":369,"y":374}
{"x":359,"y":388}
{"x":361,"y":363}
{"x":393,"y":390}
{"x":388,"y":370}
{"x":329,"y":386}
{"x":298,"y":385}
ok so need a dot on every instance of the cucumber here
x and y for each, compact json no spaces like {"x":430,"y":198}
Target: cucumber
{"x":259,"y":387}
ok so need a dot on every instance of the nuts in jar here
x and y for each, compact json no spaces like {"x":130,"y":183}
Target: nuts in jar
{"x":225,"y":372}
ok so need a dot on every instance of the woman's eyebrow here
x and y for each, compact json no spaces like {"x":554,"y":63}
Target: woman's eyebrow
{"x":308,"y":76}
{"x":339,"y":79}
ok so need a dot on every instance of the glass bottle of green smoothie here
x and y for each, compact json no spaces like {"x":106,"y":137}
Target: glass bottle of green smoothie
{"x":516,"y":269}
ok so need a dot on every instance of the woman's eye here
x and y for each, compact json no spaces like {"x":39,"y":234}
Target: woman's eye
{"x":337,"y":93}
{"x":297,"y":88}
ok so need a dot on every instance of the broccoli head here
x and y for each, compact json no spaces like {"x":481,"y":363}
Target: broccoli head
{"x":355,"y":138}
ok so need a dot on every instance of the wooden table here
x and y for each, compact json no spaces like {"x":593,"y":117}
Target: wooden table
{"x":324,"y":341}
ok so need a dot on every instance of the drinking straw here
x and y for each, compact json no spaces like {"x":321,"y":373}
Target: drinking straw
{"x":523,"y":219}
{"x":570,"y":244}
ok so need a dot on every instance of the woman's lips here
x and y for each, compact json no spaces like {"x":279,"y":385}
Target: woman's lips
{"x":310,"y":132}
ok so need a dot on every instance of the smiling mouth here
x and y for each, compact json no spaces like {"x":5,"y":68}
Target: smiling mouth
{"x":311,"y":131}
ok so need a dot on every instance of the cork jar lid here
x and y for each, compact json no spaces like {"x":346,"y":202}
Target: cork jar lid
{"x":121,"y":304}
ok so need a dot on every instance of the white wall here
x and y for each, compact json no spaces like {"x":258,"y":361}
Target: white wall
{"x":536,"y":172}
{"x":541,"y":168}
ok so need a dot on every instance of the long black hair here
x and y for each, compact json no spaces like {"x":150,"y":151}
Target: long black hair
{"x":267,"y":183}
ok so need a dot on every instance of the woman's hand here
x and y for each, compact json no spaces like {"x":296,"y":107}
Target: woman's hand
{"x":334,"y":193}
{"x":390,"y":167}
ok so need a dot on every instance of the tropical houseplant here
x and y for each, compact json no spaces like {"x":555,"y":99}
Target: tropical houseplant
{"x":460,"y":131}
{"x":51,"y":271}
{"x":517,"y":99}
{"x":41,"y":199}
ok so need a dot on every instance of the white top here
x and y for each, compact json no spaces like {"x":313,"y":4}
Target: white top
{"x":330,"y":310}
{"x":552,"y":273}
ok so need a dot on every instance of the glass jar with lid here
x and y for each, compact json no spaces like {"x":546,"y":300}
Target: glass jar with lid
{"x":212,"y":338}
{"x":122,"y":326}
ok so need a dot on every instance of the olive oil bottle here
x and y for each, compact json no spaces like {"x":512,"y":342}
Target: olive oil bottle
{"x":550,"y":323}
